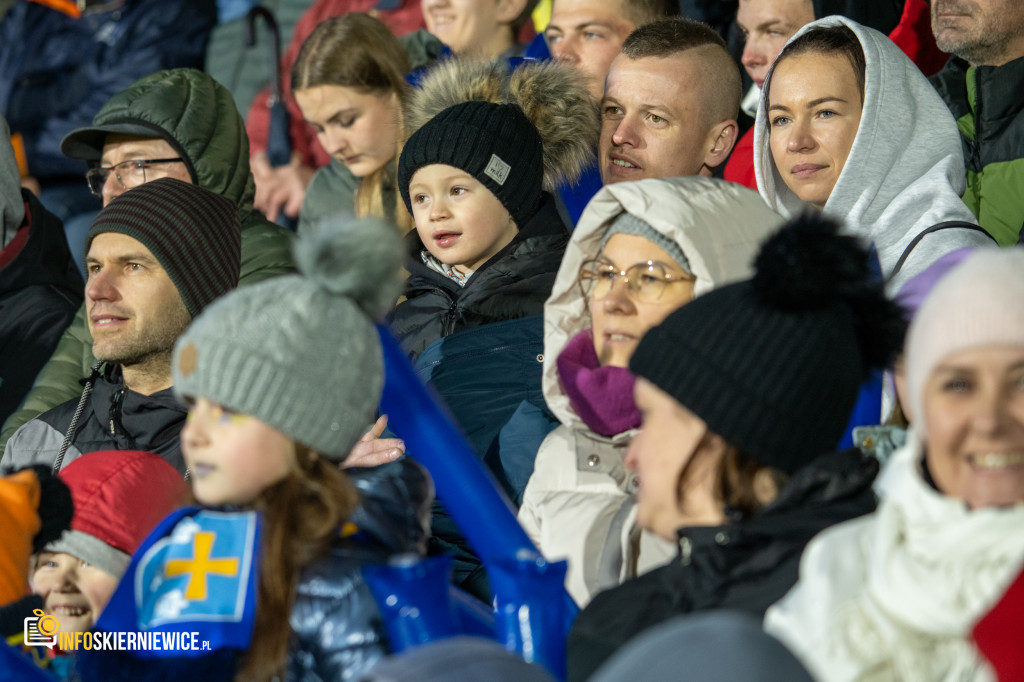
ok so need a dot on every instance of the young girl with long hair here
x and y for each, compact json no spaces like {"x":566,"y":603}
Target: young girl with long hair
{"x":282,"y":379}
{"x":349,"y":81}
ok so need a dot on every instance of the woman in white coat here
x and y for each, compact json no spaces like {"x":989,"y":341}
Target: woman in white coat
{"x":894,"y":595}
{"x":640,"y":250}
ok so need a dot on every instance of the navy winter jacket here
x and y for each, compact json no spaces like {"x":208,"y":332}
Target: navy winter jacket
{"x":56,"y":71}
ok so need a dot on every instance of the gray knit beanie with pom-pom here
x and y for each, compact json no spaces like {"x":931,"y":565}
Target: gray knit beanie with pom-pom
{"x":300,"y":353}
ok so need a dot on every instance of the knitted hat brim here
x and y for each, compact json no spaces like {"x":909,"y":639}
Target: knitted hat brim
{"x":91,"y":549}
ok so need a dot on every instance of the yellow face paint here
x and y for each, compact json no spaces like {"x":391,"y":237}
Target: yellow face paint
{"x":222,"y":415}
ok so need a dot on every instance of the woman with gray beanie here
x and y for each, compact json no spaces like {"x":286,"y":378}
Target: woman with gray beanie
{"x":895,"y":594}
{"x":641,"y":250}
{"x":743,"y":394}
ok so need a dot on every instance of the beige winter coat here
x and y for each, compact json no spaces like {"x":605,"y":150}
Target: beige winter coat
{"x":578,"y":505}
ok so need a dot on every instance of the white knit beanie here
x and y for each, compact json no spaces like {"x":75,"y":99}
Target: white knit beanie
{"x":979,"y":303}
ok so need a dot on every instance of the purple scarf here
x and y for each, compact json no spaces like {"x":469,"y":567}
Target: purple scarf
{"x":601,"y":396}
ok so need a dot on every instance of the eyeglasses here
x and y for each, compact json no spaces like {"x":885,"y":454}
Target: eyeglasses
{"x":645,"y":282}
{"x":129,"y":174}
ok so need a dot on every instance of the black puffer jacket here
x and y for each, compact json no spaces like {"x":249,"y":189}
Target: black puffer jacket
{"x":514,"y":283}
{"x":113,"y":418}
{"x":40,"y":290}
{"x":744,"y":566}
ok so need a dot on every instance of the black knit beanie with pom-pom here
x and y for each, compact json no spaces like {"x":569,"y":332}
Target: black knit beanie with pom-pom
{"x":774,"y":364}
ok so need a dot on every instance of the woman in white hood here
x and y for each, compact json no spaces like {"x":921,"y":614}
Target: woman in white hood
{"x":640,"y":250}
{"x":848,"y":124}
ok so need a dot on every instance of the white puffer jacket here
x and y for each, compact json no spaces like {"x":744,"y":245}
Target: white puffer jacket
{"x":894,"y":595}
{"x":578,"y":504}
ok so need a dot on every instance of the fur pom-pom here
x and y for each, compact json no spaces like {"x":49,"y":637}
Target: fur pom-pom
{"x":552,"y":95}
{"x":453,"y":81}
{"x":808,"y":264}
{"x":360,"y":258}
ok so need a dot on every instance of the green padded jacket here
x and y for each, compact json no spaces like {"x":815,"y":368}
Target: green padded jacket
{"x":988,"y":104}
{"x":198,"y":117}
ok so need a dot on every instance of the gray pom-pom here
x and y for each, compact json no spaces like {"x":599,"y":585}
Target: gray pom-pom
{"x":360,"y":258}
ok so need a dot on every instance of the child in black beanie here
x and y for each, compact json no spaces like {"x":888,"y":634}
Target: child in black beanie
{"x":476,"y":173}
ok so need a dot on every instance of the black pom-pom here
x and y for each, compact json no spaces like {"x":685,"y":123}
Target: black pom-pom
{"x":55,"y":508}
{"x":808,"y":265}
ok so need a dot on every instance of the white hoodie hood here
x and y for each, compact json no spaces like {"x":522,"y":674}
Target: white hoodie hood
{"x":718,"y":225}
{"x":905,"y":171}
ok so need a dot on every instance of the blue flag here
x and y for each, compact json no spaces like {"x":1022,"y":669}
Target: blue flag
{"x":195,"y":573}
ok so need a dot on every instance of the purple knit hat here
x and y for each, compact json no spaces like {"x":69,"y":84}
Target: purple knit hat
{"x":913,"y":293}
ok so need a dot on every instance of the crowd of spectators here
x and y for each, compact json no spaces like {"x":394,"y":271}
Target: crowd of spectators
{"x":521,"y":339}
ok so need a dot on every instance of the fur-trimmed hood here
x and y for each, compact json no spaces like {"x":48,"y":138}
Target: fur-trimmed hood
{"x":552,"y":95}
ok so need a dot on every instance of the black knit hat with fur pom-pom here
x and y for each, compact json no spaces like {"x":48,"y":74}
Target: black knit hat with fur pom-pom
{"x":774,"y":364}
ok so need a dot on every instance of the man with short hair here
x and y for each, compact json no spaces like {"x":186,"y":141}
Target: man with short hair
{"x":981,"y":85}
{"x":178,"y":123}
{"x":589,"y":33}
{"x":670,"y":104}
{"x":156,"y":257}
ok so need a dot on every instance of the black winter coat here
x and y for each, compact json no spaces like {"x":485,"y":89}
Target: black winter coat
{"x":113,"y":418}
{"x":40,"y":290}
{"x":514,"y":283}
{"x":745,"y":566}
{"x":511,"y":287}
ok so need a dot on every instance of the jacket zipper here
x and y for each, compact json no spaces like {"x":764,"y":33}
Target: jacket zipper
{"x":115,"y":406}
{"x":685,"y":549}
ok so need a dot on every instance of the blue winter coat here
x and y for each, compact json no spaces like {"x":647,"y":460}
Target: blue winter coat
{"x":56,"y":71}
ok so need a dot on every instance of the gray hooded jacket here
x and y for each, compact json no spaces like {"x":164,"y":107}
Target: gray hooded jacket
{"x":905,"y":171}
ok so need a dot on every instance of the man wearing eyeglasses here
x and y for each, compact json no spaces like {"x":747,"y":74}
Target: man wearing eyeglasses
{"x":180,"y":124}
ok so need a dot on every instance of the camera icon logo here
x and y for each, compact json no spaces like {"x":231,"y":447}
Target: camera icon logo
{"x":41,"y":629}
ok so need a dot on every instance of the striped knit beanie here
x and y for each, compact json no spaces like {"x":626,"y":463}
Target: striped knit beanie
{"x":774,"y":364}
{"x":193,"y":233}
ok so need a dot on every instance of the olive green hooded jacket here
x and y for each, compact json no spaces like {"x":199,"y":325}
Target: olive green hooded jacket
{"x":198,"y":117}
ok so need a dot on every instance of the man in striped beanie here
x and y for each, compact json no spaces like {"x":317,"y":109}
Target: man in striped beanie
{"x":155,"y":257}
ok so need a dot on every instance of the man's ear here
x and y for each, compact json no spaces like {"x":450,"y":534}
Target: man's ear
{"x":509,"y":10}
{"x":721,"y":139}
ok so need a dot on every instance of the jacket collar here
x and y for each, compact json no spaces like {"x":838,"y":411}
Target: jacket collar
{"x":45,"y":258}
{"x":832,"y":488}
{"x":136,"y":421}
